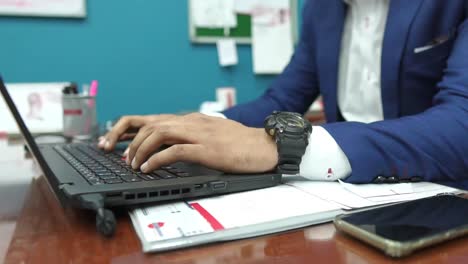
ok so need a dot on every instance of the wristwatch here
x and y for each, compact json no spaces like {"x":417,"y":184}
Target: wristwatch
{"x":291,"y":133}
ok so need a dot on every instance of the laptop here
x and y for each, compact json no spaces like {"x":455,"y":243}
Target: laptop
{"x":83,"y":176}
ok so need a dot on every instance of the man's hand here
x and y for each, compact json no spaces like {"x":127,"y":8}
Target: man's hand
{"x":217,"y":143}
{"x":127,"y":128}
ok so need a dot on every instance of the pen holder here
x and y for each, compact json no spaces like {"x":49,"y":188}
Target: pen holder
{"x":79,"y":116}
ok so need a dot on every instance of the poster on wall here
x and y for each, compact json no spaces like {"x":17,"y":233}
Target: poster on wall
{"x":39,"y":104}
{"x":43,"y":8}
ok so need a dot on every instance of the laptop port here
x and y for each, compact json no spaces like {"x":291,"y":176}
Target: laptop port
{"x":113,"y":195}
{"x":218,"y":185}
{"x":129,"y":196}
{"x":176,"y":191}
{"x":142,"y":195}
{"x":153,"y":194}
{"x":198,"y":186}
{"x":185,"y":190}
{"x":164,"y":193}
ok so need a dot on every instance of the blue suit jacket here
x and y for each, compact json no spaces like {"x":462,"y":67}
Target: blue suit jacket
{"x":424,"y":95}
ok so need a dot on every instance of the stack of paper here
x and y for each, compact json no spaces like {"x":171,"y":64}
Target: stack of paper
{"x":240,"y":215}
{"x":355,"y":196}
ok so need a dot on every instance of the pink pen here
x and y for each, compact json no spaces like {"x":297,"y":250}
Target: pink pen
{"x":94,"y":88}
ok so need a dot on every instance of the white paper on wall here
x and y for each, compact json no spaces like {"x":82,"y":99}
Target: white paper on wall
{"x":52,"y":8}
{"x":244,"y":6}
{"x":213,"y":13}
{"x":272,"y":39}
{"x":227,"y":52}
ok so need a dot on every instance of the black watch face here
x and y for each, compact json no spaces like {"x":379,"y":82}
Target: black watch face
{"x":291,"y":120}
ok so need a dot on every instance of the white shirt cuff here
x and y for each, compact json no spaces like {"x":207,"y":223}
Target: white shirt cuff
{"x":323,"y":159}
{"x":213,"y":114}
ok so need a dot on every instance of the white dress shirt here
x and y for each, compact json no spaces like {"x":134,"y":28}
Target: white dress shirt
{"x":359,"y":91}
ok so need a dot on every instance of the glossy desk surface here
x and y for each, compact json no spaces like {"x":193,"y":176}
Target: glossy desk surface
{"x":47,"y":233}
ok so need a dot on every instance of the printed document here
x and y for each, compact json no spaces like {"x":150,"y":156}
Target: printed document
{"x":291,"y":205}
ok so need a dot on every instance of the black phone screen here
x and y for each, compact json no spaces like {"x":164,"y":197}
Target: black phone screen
{"x":414,"y":220}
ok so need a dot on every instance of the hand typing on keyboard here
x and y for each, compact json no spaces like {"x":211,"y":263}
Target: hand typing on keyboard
{"x":127,"y":128}
{"x":215,"y":142}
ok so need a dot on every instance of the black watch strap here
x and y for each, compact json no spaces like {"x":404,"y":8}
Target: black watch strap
{"x":291,"y":149}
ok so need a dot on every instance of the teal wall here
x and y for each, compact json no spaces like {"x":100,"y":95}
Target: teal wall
{"x":138,"y":50}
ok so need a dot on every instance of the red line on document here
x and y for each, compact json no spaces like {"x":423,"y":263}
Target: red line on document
{"x":208,"y":217}
{"x":72,"y":111}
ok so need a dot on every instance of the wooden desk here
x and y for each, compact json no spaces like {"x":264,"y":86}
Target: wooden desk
{"x":47,"y":233}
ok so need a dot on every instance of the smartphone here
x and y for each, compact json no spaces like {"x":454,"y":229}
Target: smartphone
{"x":402,"y":228}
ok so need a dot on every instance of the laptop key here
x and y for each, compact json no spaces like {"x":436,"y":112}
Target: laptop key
{"x":89,"y":178}
{"x":110,"y":176}
{"x":164,"y":174}
{"x":94,"y":181}
{"x":183,"y":174}
{"x":147,"y":177}
{"x":175,"y":170}
{"x":89,"y":175}
{"x":117,"y":171}
{"x":104,"y":173}
{"x":130,"y":178}
{"x":113,"y":180}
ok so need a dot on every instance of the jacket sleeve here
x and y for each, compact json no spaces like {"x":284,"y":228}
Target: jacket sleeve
{"x":432,"y":145}
{"x":294,"y":90}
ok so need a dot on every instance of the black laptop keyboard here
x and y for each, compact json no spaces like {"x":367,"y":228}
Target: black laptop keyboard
{"x":99,"y":167}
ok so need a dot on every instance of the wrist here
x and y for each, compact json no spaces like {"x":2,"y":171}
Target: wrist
{"x":268,"y":148}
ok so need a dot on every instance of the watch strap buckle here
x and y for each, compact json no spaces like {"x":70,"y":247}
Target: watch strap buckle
{"x":288,"y":168}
